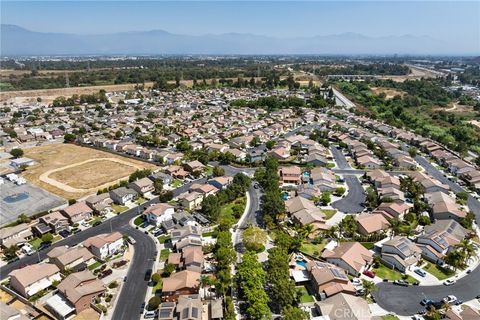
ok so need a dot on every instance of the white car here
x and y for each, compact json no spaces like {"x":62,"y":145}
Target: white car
{"x":450,"y":299}
{"x":356,"y":282}
{"x":449,"y":282}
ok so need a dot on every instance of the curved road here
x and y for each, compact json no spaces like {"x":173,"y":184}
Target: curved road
{"x":355,"y":199}
{"x":135,"y":288}
{"x":406,"y":300}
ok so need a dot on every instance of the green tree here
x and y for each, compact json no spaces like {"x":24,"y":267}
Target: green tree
{"x":368,"y":287}
{"x":47,"y":238}
{"x":11,"y":252}
{"x":153,"y":303}
{"x":218,"y":171}
{"x":69,"y":137}
{"x":281,"y":287}
{"x":16,"y":153}
{"x":168,"y":270}
{"x":270,"y":144}
{"x":158,"y":185}
{"x":294,"y":313}
{"x":254,"y":238}
{"x":156,"y":278}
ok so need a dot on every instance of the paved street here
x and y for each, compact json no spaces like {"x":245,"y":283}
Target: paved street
{"x":355,"y":198}
{"x":252,"y":217}
{"x":134,"y":290}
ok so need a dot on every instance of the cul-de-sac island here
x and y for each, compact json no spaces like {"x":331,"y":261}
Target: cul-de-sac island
{"x":235,"y":176}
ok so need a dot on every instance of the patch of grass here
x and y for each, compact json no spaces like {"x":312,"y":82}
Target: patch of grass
{"x":138,"y":220}
{"x":438,"y":272}
{"x":56,"y":238}
{"x":329,"y":213}
{"x":163,"y":238}
{"x":177,"y":183}
{"x":228,"y":210}
{"x":95,"y":265}
{"x":208,"y":171}
{"x":305,"y":297}
{"x":35,"y":243}
{"x":311,"y":249}
{"x":390,"y":317}
{"x":140,"y":200}
{"x":118,"y":208}
{"x":91,"y":222}
{"x":368,"y":245}
{"x":209,"y":234}
{"x":164,"y":254}
{"x":157,"y":287}
{"x":385,"y":272}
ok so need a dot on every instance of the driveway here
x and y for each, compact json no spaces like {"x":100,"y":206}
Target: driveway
{"x":355,"y":198}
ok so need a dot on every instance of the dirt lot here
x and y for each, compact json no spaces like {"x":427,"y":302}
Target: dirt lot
{"x":73,"y":172}
{"x":390,"y":93}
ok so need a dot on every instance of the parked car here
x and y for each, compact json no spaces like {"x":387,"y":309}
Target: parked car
{"x":105,"y":273}
{"x":356,"y":282}
{"x":131,"y":240}
{"x":142,"y":307}
{"x":402,"y":283}
{"x":64,"y":233}
{"x":426,"y":302}
{"x":458,"y":302}
{"x":148,"y":275}
{"x":149,"y":315}
{"x":449,"y":299}
{"x":420,"y":272}
{"x":44,"y":246}
{"x":369,"y":273}
{"x":449,"y":282}
{"x":97,"y":223}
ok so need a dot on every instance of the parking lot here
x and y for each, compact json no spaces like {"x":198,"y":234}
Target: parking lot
{"x":26,"y":199}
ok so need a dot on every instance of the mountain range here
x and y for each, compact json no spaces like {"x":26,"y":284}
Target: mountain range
{"x":16,"y":40}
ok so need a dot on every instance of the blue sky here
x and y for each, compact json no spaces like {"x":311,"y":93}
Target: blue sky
{"x":457,"y":23}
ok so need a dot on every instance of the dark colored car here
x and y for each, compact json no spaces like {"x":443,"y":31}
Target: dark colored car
{"x":97,"y":223}
{"x":426,"y":302}
{"x":44,"y":246}
{"x":148,"y":274}
{"x":142,"y":307}
{"x":64,"y":233}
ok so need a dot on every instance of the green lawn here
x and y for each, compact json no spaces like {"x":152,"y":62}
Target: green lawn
{"x":118,"y":208}
{"x":163,"y":238}
{"x":140,"y":200}
{"x":91,"y":222}
{"x":157,"y":286}
{"x":94,"y":265}
{"x":138,"y":220}
{"x":35,"y":243}
{"x":227,"y":209}
{"x":304,"y":296}
{"x":177,"y":183}
{"x":313,"y":249}
{"x":329,"y":213}
{"x":164,"y":254}
{"x":209,"y":234}
{"x":439,"y":273}
{"x":390,"y":317}
{"x":385,"y":272}
{"x":368,"y":245}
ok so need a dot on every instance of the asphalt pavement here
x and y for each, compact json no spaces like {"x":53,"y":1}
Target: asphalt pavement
{"x":135,"y":288}
{"x":406,"y":300}
{"x":253,"y":216}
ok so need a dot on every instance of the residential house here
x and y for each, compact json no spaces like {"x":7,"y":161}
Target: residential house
{"x":16,"y":235}
{"x":78,"y":212}
{"x":77,"y":258}
{"x":369,"y":162}
{"x":368,"y":224}
{"x":101,"y":204}
{"x":221,"y":182}
{"x":189,"y":307}
{"x":192,"y":258}
{"x":190,"y":200}
{"x":56,"y":221}
{"x":328,"y":280}
{"x":290,"y":175}
{"x":400,"y":253}
{"x":350,"y":256}
{"x":304,"y":212}
{"x":123,"y":195}
{"x":344,"y":307}
{"x":444,"y":207}
{"x":157,"y":213}
{"x":184,"y":282}
{"x":33,"y":278}
{"x":104,"y":245}
{"x":80,"y":289}
{"x":391,"y":210}
{"x":323,"y":179}
{"x":142,"y":186}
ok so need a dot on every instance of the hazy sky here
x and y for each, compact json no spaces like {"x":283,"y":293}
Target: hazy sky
{"x":457,"y":23}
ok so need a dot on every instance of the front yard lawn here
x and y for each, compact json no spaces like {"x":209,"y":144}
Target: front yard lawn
{"x":385,"y":272}
{"x":329,"y":213}
{"x":177,"y":183}
{"x":95,"y":265}
{"x":35,"y":243}
{"x":164,"y":254}
{"x":157,"y":287}
{"x":368,"y":245}
{"x":138,"y":220}
{"x":118,"y":208}
{"x":390,"y":317}
{"x":140,"y":200}
{"x":163,"y":238}
{"x":305,"y":297}
{"x":229,"y":209}
{"x":438,"y":272}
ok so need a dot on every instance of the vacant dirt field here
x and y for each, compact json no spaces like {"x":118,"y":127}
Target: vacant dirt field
{"x":73,"y":172}
{"x":390,"y":93}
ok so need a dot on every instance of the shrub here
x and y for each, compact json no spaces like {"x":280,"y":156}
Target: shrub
{"x":153,"y":303}
{"x":113,"y":284}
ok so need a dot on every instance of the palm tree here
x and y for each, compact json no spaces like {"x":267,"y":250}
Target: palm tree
{"x":467,"y":249}
{"x":395,"y":224}
{"x":368,"y":286}
{"x":204,"y":282}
